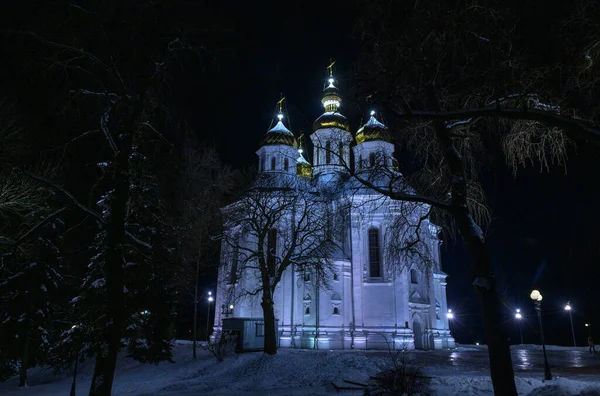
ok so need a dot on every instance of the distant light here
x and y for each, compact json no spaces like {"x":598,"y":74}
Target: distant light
{"x":210,"y":299}
{"x":450,"y":315}
{"x":518,"y":310}
{"x":74,"y":326}
{"x":210,"y":293}
{"x":280,"y":116}
{"x":518,"y":316}
{"x":300,"y":150}
{"x":536,"y":295}
{"x":587,"y":325}
{"x":331,"y":80}
{"x":476,"y":343}
{"x":231,"y":306}
{"x":144,"y":312}
{"x":372,"y":112}
{"x":567,"y":307}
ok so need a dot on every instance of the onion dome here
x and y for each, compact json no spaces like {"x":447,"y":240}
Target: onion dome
{"x":331,"y":101}
{"x":331,"y":120}
{"x":372,"y":130}
{"x":279,"y":134}
{"x":303,"y":168}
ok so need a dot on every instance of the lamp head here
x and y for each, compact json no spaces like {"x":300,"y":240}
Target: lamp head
{"x":536,"y":295}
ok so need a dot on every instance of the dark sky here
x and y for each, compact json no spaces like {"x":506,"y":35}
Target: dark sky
{"x":544,"y":233}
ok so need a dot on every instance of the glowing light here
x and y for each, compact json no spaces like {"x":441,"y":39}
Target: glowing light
{"x":450,"y":315}
{"x":536,"y":295}
{"x":372,"y":112}
{"x":210,"y":299}
{"x":568,"y":307}
{"x":331,"y":102}
{"x":331,"y":80}
{"x":210,"y":293}
{"x":300,"y":151}
{"x":74,"y":326}
{"x":280,"y":116}
{"x":518,"y":310}
{"x":476,"y":343}
{"x":587,"y":325}
{"x":231,"y":306}
{"x":518,"y":316}
{"x":144,"y":312}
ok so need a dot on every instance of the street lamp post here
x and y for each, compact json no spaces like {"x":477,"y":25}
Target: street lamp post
{"x":450,"y":316}
{"x":536,"y":296}
{"x":568,"y":309}
{"x":589,"y":327}
{"x":210,"y":299}
{"x":518,"y":316}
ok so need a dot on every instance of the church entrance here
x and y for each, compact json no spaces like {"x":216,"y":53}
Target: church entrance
{"x":418,"y":333}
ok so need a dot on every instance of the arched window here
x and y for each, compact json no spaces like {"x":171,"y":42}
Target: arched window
{"x":263,"y":163}
{"x":414,"y":277}
{"x":307,"y":311}
{"x":272,"y":163}
{"x":234,"y":265}
{"x":328,"y":152}
{"x":336,"y":311}
{"x":372,"y":159}
{"x":335,"y":276}
{"x":271,"y":248}
{"x":286,"y":165}
{"x":374,"y":254}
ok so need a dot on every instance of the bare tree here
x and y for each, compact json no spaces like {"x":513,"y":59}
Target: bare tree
{"x":282,"y":223}
{"x":460,"y":76}
{"x":204,"y":182}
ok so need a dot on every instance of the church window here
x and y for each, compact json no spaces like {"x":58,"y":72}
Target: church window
{"x":286,"y":165}
{"x":372,"y":159}
{"x":307,"y":311}
{"x":272,"y":163}
{"x":336,"y":311}
{"x":263,"y":165}
{"x":234,"y":265}
{"x":328,"y":152}
{"x":414,"y":277}
{"x":335,"y":276}
{"x":374,"y":254}
{"x":271,"y":248}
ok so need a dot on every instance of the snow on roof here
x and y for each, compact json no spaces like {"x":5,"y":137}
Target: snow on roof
{"x":280,"y":128}
{"x":302,"y":160}
{"x":373,"y":122}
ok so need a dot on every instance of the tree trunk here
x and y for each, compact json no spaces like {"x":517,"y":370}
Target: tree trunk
{"x":106,"y":361}
{"x":195,"y":330}
{"x":501,"y":369}
{"x":24,"y":359}
{"x":269,"y":326}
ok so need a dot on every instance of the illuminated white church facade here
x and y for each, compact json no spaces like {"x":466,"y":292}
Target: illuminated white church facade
{"x":375,"y":299}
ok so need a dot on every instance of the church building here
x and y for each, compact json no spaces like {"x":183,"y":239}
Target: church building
{"x":376,"y":297}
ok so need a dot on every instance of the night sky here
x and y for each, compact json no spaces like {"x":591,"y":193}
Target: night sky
{"x":545,"y":229}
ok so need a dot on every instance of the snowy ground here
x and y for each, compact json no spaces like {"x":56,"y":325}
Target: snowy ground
{"x":302,"y":372}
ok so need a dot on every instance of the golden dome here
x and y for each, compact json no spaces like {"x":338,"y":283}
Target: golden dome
{"x":279,"y":134}
{"x":303,"y":168}
{"x":331,"y":120}
{"x":372,"y":130}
